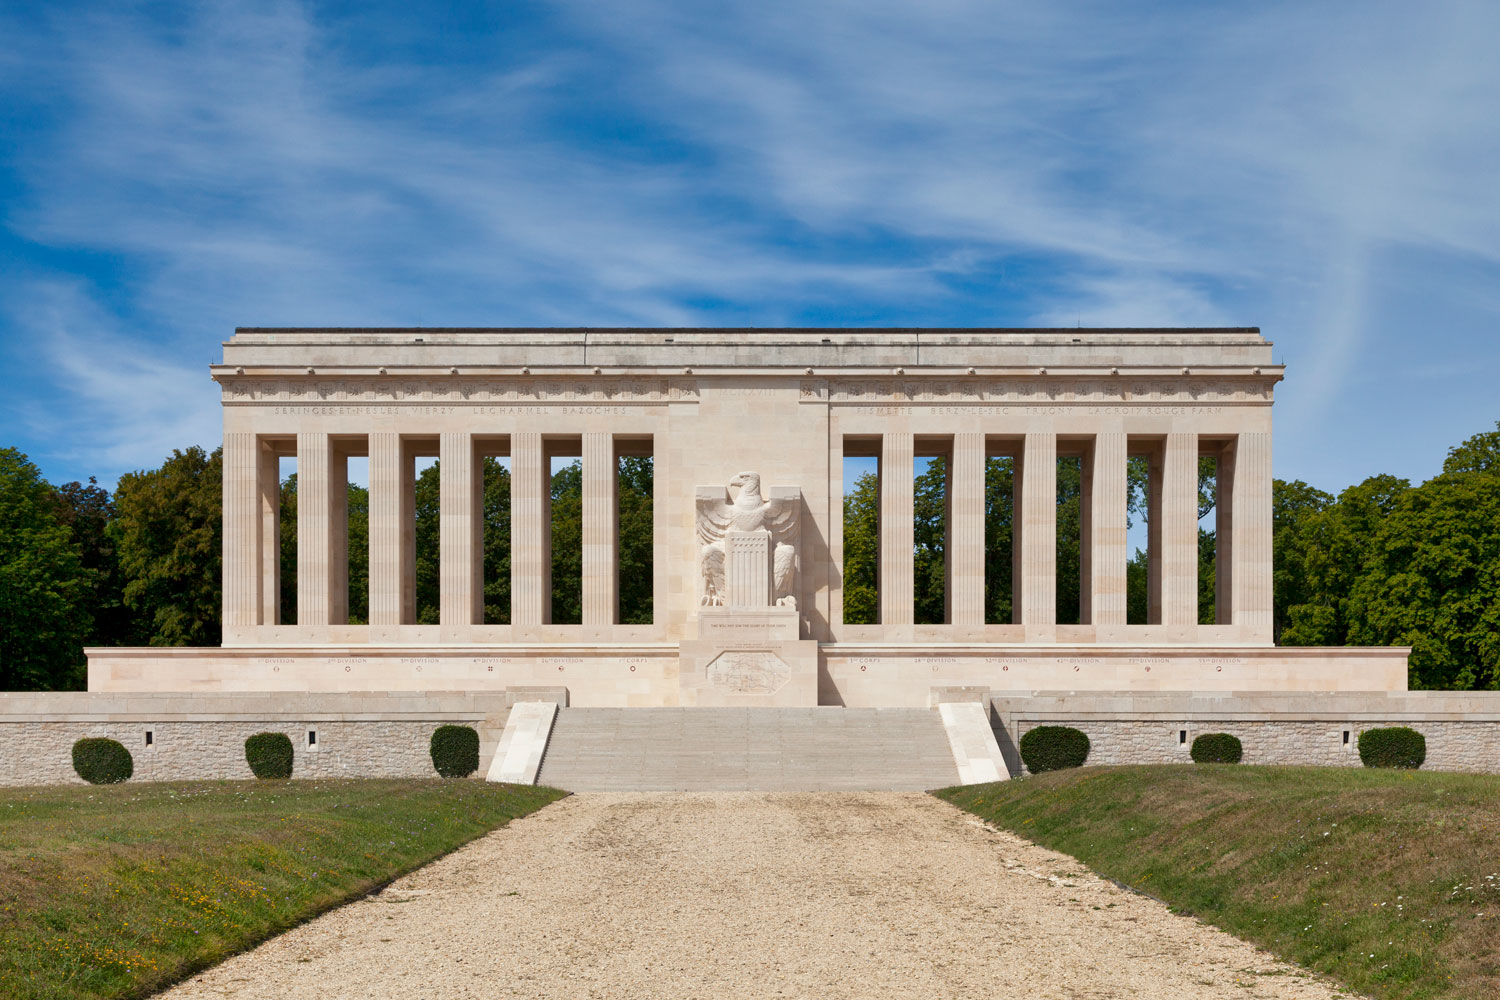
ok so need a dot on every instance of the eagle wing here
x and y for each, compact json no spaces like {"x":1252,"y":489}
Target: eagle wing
{"x":713,"y":575}
{"x":779,"y":516}
{"x":714,"y":518}
{"x":784,"y":569}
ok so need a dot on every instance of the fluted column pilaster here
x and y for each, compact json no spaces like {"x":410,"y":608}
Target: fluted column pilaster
{"x":601,"y":588}
{"x":897,"y":532}
{"x":1250,"y":533}
{"x":461,"y":501}
{"x":966,"y":530}
{"x":387,"y":578}
{"x":1036,"y":586}
{"x":530,"y":575}
{"x":241,"y":542}
{"x":1105,"y":531}
{"x":1179,"y":523}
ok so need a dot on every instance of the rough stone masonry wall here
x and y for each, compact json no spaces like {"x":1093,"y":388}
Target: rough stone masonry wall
{"x":1451,"y":746}
{"x":41,"y":753}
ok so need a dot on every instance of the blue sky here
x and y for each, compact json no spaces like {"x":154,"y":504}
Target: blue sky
{"x":1327,"y":172}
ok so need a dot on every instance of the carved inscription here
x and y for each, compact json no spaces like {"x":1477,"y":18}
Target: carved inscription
{"x":758,"y":671}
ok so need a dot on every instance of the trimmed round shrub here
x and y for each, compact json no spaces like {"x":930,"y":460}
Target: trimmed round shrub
{"x":1052,"y":748}
{"x":102,"y":761}
{"x":1216,"y":748}
{"x":455,"y":751}
{"x":1395,"y":746}
{"x":269,"y":755}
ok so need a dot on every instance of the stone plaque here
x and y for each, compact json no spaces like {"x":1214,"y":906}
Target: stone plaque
{"x":750,"y":671}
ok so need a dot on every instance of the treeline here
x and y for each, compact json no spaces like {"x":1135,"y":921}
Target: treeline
{"x":80,"y":566}
{"x":1382,"y":563}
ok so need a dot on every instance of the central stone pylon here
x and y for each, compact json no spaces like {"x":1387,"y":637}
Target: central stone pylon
{"x":748,"y":580}
{"x":749,"y":649}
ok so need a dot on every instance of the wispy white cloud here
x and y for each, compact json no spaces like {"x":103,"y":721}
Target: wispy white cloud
{"x":660,"y":163}
{"x":123,"y":405}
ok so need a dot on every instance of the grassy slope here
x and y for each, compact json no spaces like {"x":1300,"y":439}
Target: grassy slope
{"x":117,"y":891}
{"x":1388,"y":881}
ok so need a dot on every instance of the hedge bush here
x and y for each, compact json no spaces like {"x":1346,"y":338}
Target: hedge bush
{"x":1217,"y":748}
{"x":1052,"y":748}
{"x":269,"y":755}
{"x":1395,"y":746}
{"x":102,"y":761}
{"x":455,"y":751}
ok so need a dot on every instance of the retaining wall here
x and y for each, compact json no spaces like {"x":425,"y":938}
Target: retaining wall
{"x":1462,"y":728}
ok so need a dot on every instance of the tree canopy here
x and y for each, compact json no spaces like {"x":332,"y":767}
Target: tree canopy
{"x":45,"y":589}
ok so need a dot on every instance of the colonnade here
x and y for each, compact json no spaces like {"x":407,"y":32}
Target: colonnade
{"x":252,"y":498}
{"x":1243,"y":504}
{"x":252,"y":517}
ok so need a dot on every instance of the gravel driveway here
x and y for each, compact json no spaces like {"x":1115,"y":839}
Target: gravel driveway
{"x":753,"y":895}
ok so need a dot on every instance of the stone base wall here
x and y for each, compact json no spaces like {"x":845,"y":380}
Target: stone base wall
{"x":1451,"y":746}
{"x":1462,"y":729}
{"x":196,"y":737}
{"x":40,"y":753}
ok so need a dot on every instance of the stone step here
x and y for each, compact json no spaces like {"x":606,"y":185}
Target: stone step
{"x":748,"y":749}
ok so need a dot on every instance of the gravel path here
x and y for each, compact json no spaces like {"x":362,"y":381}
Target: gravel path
{"x":753,"y":895}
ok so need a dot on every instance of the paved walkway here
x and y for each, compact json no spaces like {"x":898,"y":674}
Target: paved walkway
{"x":753,"y":895}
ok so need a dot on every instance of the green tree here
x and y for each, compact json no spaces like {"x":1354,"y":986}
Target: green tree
{"x":496,"y":543}
{"x":1430,"y":578}
{"x":999,"y":507}
{"x":167,"y":531}
{"x":358,"y":535}
{"x":929,"y":530}
{"x":88,"y":509}
{"x":1335,"y":543}
{"x":427,"y":493}
{"x":862,"y":551}
{"x":1480,"y":453}
{"x":45,"y":588}
{"x":287,"y":530}
{"x":637,"y":557}
{"x":1293,"y":506}
{"x":1069,"y":538}
{"x":567,"y":544}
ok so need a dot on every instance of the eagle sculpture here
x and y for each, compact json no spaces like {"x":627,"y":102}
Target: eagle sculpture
{"x":748,"y":511}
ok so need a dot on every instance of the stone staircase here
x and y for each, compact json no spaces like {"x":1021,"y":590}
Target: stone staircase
{"x":747,"y":749}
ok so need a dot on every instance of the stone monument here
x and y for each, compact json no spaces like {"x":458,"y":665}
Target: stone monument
{"x":748,"y":568}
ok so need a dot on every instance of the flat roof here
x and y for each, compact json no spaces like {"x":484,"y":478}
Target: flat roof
{"x":748,"y":329}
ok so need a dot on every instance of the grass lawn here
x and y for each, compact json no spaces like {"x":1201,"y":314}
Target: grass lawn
{"x":1387,"y":881}
{"x":118,"y":891}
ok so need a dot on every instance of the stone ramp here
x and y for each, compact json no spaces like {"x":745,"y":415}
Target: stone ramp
{"x":748,"y":749}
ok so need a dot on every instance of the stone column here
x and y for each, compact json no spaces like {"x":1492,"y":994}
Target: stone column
{"x":387,"y":577}
{"x":461,"y":502}
{"x":1035,"y":589}
{"x":269,"y":493}
{"x":966,"y":530}
{"x":897,"y":533}
{"x":1179,"y":525}
{"x":1251,"y":535}
{"x":1105,"y":528}
{"x":317,"y":575}
{"x":530,"y":576}
{"x":241,"y":543}
{"x":601,"y":585}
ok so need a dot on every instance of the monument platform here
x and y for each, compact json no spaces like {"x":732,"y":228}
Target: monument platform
{"x":869,"y":675}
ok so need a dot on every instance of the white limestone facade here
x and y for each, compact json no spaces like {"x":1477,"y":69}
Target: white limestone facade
{"x":790,"y":407}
